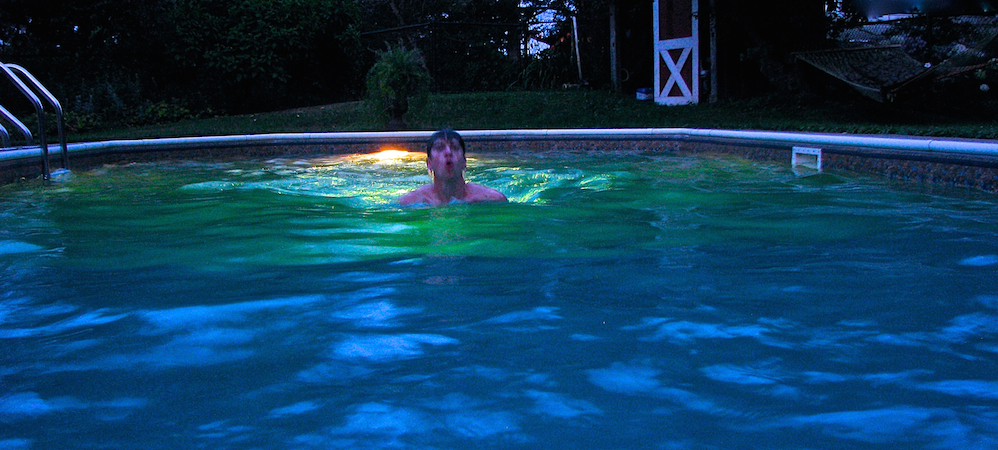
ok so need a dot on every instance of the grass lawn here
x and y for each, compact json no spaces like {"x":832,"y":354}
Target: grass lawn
{"x":594,"y":109}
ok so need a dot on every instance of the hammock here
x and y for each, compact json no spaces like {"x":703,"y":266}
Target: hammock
{"x":882,"y":72}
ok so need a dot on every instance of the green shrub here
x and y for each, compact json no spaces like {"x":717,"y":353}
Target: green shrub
{"x":397,"y":81}
{"x":81,"y":121}
{"x":161,"y":112}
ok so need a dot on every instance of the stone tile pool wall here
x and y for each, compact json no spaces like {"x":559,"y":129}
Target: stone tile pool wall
{"x":975,"y":171}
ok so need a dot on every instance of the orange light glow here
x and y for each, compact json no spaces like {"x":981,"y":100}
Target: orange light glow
{"x":390,"y":154}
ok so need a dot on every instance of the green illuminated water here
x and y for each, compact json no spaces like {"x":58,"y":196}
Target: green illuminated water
{"x":620,"y":300}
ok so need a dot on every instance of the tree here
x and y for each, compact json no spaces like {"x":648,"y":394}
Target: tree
{"x":255,"y":54}
{"x":467,"y":45}
{"x":87,"y":51}
{"x":136,"y":61}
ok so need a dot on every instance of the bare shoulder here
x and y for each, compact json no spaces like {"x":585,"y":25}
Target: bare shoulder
{"x":479,"y":193}
{"x":417,"y":196}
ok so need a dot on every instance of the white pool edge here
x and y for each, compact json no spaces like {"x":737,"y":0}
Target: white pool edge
{"x":934,"y":145}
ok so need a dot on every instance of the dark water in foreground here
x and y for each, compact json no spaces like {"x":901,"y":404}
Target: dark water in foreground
{"x":624,"y":302}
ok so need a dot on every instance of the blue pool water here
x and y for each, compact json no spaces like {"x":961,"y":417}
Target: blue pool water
{"x":624,"y":301}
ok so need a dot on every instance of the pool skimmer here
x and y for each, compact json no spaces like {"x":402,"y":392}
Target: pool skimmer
{"x":806,"y":161}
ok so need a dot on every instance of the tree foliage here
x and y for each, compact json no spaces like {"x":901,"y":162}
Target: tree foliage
{"x":277,"y":51}
{"x":88,"y":51}
{"x":135,"y":61}
{"x":117,"y":61}
{"x":467,"y":45}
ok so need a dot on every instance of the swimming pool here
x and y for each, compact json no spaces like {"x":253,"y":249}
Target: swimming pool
{"x":626,"y":300}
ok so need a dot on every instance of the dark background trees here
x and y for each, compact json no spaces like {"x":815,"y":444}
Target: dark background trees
{"x":248,"y":55}
{"x":143,"y":61}
{"x":95,"y":55}
{"x":139,"y":61}
{"x":468,"y":45}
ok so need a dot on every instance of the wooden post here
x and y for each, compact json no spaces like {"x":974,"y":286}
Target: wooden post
{"x":614,"y":59}
{"x":578,"y":55}
{"x":713,"y":53}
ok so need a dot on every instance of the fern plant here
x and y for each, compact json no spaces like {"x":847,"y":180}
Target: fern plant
{"x":397,"y":81}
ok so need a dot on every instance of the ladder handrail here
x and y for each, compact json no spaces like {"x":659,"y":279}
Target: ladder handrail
{"x":60,"y":125}
{"x":46,"y":173}
{"x":20,"y":126}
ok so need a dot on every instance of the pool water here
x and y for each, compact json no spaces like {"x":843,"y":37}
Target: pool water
{"x":620,"y":301}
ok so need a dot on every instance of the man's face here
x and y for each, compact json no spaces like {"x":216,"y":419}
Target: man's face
{"x":446,"y":159}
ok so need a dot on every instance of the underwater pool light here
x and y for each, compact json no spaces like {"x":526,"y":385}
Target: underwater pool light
{"x":393,"y":154}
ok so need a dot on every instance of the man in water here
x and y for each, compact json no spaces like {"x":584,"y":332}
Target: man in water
{"x":446,"y":162}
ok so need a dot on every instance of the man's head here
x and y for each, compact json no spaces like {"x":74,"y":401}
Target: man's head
{"x":445,"y":156}
{"x":446,"y":135}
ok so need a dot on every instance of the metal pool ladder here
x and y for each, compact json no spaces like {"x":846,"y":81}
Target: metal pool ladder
{"x":19,"y":75}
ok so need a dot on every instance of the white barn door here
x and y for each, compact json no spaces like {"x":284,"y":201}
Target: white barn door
{"x":677,"y":52}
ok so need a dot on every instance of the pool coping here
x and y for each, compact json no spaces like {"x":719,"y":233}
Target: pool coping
{"x":953,"y":161}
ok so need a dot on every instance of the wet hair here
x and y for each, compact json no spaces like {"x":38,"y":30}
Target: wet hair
{"x":445,"y":134}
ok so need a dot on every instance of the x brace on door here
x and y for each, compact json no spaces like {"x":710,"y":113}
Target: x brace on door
{"x":674,"y":57}
{"x":677,"y":52}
